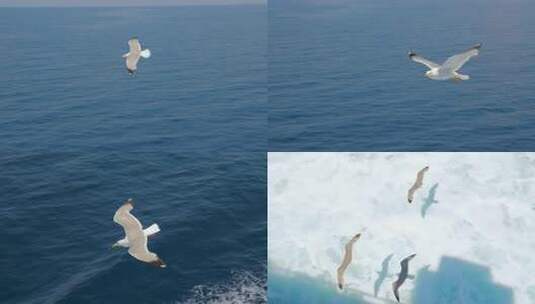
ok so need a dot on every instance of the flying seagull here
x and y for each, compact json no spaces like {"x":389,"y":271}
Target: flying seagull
{"x":348,"y":256}
{"x":402,"y":275}
{"x":417,"y":184}
{"x":136,"y":238}
{"x":135,"y":52}
{"x":448,"y":70}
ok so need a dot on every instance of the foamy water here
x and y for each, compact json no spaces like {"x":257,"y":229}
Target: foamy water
{"x":243,"y":287}
{"x":473,"y":216}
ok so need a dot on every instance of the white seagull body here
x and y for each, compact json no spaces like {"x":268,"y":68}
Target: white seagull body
{"x":134,"y":54}
{"x":151,"y":230}
{"x":136,"y":238}
{"x":448,"y":70}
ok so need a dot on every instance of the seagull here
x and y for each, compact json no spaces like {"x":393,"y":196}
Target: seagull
{"x":448,"y":70}
{"x":417,"y":184}
{"x":136,"y":238}
{"x":348,"y":256}
{"x":402,"y":275}
{"x":132,"y":57}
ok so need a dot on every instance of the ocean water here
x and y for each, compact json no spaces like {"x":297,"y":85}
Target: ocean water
{"x":64,"y":85}
{"x":340,"y":80}
{"x":470,"y":225}
{"x":57,"y":227}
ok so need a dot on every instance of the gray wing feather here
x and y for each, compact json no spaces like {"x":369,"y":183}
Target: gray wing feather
{"x":455,"y":62}
{"x":417,"y":58}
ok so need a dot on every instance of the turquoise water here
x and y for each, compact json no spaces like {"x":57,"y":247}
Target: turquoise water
{"x":455,"y":281}
{"x":299,"y":288}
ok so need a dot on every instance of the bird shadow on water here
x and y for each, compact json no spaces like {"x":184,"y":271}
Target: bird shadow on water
{"x":382,"y":274}
{"x":429,"y":200}
{"x":459,"y":281}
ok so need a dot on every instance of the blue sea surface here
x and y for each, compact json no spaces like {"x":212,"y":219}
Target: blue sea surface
{"x":64,"y":85}
{"x":298,"y":288}
{"x":455,"y":281}
{"x":57,"y":228}
{"x":339,"y":78}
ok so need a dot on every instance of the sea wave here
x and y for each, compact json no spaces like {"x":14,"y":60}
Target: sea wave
{"x":243,"y":287}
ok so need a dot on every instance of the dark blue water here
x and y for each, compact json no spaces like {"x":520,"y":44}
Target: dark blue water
{"x":340,"y":78}
{"x":64,"y":86}
{"x":57,"y":230}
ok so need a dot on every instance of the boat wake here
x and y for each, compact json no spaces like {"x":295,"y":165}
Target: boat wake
{"x":243,"y":287}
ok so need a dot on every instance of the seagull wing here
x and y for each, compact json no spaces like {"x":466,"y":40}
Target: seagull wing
{"x":417,"y":184}
{"x":134,"y":233}
{"x":417,"y":58}
{"x":455,"y":62}
{"x":410,"y":194}
{"x":395,"y":288}
{"x":348,"y":256}
{"x":131,"y":61}
{"x":405,"y":268}
{"x":138,"y":249}
{"x":134,"y":55}
{"x":402,"y":275}
{"x":130,"y":224}
{"x":420,"y":176}
{"x":135,"y":46}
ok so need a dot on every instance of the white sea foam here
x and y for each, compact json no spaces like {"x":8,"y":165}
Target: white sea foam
{"x":481,"y":212}
{"x":244,"y":287}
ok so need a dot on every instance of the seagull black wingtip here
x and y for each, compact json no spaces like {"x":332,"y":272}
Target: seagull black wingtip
{"x":129,"y":202}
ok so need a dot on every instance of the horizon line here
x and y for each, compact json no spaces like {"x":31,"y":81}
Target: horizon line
{"x":119,"y":5}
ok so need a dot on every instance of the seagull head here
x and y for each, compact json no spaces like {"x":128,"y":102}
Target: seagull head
{"x":428,"y":74}
{"x":115,"y":246}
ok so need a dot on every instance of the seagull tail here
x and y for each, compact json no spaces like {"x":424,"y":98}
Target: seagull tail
{"x":152,"y":229}
{"x":145,"y":53}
